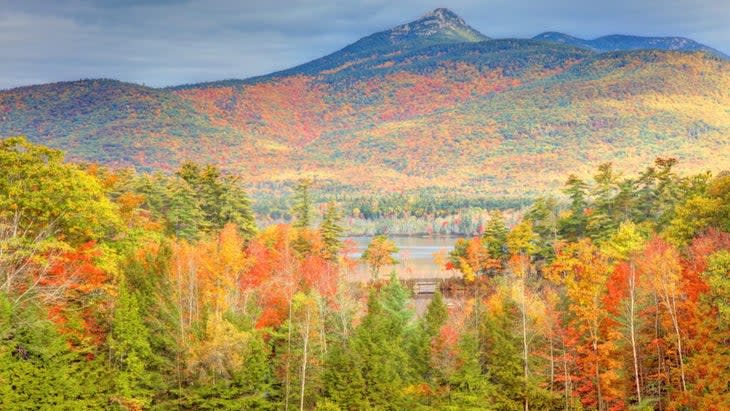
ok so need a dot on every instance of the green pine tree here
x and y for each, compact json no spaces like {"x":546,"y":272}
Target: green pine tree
{"x":131,"y":353}
{"x":236,"y":208}
{"x":573,"y":225}
{"x":495,"y":236}
{"x":147,"y":275}
{"x":603,"y":219}
{"x":183,"y":215}
{"x":543,"y":214}
{"x":221,"y":198}
{"x":428,"y":329}
{"x":38,"y":370}
{"x":344,"y":384}
{"x":302,"y":205}
{"x":331,"y":231}
{"x":469,"y":387}
{"x":382,"y":342}
{"x":302,"y":213}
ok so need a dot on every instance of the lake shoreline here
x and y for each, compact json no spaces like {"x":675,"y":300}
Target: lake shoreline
{"x":419,"y":235}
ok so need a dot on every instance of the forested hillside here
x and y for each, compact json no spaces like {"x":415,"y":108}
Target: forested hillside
{"x":618,"y":42}
{"x":430,"y":106}
{"x":124,"y":290}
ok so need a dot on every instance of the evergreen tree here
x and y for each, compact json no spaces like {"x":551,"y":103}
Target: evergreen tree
{"x":236,"y":208}
{"x":646,"y":196}
{"x":436,"y":315}
{"x":131,"y":353}
{"x":428,"y":330}
{"x":626,"y":200}
{"x":147,"y":276}
{"x":602,"y":220}
{"x":302,"y":213}
{"x":382,"y":342}
{"x":717,"y":276}
{"x":573,"y":225}
{"x":332,"y":231}
{"x":302,"y":205}
{"x":38,"y":370}
{"x":469,"y":387}
{"x":495,"y":235}
{"x":668,"y":189}
{"x":208,"y":188}
{"x":543,"y":214}
{"x":344,"y":383}
{"x":221,"y":198}
{"x":183,"y":215}
{"x":502,"y":353}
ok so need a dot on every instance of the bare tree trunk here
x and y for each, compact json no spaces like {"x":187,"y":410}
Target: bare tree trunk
{"x":659,"y":356}
{"x":476,"y":310}
{"x":304,"y":362}
{"x":599,"y":392}
{"x":322,"y":305}
{"x":566,"y":378}
{"x":632,"y":328}
{"x":192,"y":287}
{"x":552,"y":361}
{"x":181,"y":319}
{"x":675,"y":322}
{"x":525,"y":349}
{"x":288,"y":358}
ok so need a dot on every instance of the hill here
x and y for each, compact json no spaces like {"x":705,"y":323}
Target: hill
{"x":618,"y":42}
{"x":432,"y":105}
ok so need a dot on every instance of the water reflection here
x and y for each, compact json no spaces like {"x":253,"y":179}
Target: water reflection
{"x":418,"y":256}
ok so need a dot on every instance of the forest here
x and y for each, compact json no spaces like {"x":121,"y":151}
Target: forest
{"x":148,"y":291}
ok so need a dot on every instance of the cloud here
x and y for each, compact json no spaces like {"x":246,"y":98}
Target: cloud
{"x":168,"y":42}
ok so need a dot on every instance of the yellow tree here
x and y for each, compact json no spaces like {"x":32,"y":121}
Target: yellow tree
{"x":625,"y":243}
{"x":661,"y":265}
{"x":582,"y":270}
{"x":379,"y":253}
{"x":472,"y":258}
{"x":223,"y":264}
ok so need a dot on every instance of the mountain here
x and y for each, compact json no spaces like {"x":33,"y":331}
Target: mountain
{"x":439,"y":27}
{"x":432,"y":105}
{"x":619,"y":42}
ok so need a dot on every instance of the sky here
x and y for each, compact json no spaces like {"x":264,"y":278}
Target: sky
{"x":170,"y":42}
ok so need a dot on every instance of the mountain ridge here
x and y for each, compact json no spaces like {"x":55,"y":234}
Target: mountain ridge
{"x":623,"y":42}
{"x":382,"y":42}
{"x":499,"y":117}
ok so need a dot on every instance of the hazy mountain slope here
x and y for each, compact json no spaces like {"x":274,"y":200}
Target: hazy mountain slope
{"x":618,"y":42}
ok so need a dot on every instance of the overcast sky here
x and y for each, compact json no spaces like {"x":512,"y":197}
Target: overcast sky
{"x":169,"y":42}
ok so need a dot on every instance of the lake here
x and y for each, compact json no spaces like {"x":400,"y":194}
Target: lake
{"x":415,"y":256}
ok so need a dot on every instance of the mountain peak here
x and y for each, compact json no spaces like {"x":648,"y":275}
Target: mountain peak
{"x":439,"y":24}
{"x":443,"y":14}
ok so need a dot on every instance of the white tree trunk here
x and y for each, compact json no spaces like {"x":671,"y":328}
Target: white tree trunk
{"x":632,"y":328}
{"x":304,"y":362}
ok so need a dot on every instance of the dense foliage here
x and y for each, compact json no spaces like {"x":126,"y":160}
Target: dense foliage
{"x":135,"y":291}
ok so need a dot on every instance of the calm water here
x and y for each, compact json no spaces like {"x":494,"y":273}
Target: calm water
{"x":416,"y":256}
